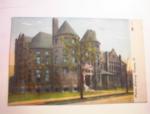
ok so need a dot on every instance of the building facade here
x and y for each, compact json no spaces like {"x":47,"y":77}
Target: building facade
{"x":113,"y":70}
{"x":51,"y":62}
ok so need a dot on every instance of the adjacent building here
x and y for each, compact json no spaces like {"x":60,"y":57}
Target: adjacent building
{"x":113,"y":70}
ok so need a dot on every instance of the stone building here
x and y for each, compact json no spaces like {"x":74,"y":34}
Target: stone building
{"x":41,"y":63}
{"x":33,"y":62}
{"x":44,"y":63}
{"x":113,"y":70}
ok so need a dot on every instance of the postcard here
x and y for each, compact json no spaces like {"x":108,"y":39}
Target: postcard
{"x":61,"y":61}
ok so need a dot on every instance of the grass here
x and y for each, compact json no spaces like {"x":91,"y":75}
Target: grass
{"x":35,"y":96}
{"x":55,"y":95}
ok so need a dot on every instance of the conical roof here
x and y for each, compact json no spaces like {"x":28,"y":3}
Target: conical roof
{"x":66,"y":28}
{"x":90,"y":35}
{"x":42,"y":40}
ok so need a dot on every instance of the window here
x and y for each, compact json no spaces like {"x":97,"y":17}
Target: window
{"x":55,"y":59}
{"x":86,"y":54}
{"x":65,"y":71}
{"x":38,"y":75}
{"x":38,"y":60}
{"x":46,"y":53}
{"x":97,"y":56}
{"x":73,"y":41}
{"x":73,"y":51}
{"x":47,"y":62}
{"x":73,"y":60}
{"x":37,"y":52}
{"x":37,"y":72}
{"x":22,"y":88}
{"x":47,"y":71}
{"x":47,"y":75}
{"x":65,"y":60}
{"x":56,"y":40}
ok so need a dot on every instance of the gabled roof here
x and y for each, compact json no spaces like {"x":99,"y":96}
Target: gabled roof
{"x":66,"y":28}
{"x":113,"y":52}
{"x":41,"y":40}
{"x":90,"y":35}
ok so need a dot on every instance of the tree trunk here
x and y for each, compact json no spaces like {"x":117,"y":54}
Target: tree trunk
{"x":81,"y":83}
{"x":127,"y":83}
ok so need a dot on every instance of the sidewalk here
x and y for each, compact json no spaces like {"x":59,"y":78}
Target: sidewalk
{"x":65,"y":99}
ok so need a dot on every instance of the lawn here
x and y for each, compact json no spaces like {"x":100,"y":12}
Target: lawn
{"x":55,"y":95}
{"x":35,"y":96}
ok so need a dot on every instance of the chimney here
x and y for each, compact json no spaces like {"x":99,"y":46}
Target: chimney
{"x":107,"y":61}
{"x":55,"y":26}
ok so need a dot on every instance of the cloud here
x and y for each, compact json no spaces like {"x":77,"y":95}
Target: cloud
{"x":27,"y":24}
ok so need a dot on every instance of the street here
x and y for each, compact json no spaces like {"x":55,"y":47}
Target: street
{"x":113,"y":99}
{"x":107,"y":99}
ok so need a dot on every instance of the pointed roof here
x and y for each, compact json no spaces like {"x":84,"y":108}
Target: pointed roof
{"x":25,"y":37}
{"x":66,"y":28}
{"x":113,"y":51}
{"x":90,"y":35}
{"x":42,"y":40}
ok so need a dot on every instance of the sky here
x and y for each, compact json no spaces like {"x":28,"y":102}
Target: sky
{"x":111,"y":33}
